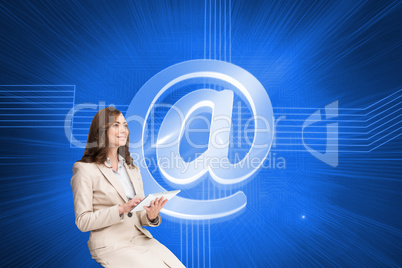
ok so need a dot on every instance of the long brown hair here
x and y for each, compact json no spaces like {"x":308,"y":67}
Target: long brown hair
{"x":98,"y":142}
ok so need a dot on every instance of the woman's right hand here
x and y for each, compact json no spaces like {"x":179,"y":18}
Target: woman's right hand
{"x":129,"y":205}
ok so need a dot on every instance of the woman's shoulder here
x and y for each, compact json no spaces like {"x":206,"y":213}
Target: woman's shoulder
{"x":79,"y":165}
{"x":82,"y":163}
{"x":132,"y":166}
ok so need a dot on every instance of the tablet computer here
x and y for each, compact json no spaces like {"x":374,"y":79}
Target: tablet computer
{"x":147,"y":200}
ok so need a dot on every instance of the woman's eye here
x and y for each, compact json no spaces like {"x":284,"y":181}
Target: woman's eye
{"x":126,"y":126}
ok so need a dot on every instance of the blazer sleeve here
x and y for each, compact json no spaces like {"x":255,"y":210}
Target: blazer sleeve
{"x":85,"y":218}
{"x":146,"y":222}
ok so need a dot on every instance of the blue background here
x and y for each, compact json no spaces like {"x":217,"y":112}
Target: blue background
{"x":307,"y":54}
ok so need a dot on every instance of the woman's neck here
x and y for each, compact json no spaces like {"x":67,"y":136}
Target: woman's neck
{"x":112,"y":154}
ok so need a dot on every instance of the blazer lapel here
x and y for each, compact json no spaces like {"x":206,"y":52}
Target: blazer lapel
{"x":108,"y":173}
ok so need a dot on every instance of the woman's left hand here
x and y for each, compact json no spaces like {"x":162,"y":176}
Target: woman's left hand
{"x":154,"y":208}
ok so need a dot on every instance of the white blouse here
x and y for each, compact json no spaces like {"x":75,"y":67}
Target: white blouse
{"x":122,"y":175}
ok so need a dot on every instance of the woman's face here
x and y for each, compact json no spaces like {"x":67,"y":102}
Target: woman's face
{"x":118,"y":132}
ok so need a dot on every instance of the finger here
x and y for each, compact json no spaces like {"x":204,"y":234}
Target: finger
{"x":164,"y":202}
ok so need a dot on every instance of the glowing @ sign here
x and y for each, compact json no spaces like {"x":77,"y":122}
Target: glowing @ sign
{"x":231,"y":174}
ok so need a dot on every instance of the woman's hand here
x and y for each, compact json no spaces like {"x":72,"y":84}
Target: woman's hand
{"x":129,"y":205}
{"x":155,"y":207}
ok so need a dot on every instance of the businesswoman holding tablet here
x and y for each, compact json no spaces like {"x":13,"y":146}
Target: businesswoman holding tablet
{"x":106,"y":186}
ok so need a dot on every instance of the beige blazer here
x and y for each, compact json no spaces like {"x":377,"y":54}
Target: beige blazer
{"x":97,"y":195}
{"x":116,"y":242}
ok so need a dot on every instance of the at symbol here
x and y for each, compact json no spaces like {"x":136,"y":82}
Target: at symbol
{"x":219,"y":102}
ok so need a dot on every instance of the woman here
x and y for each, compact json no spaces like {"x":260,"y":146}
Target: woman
{"x":106,"y":186}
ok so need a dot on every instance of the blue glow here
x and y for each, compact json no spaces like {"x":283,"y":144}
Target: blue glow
{"x":307,"y":55}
